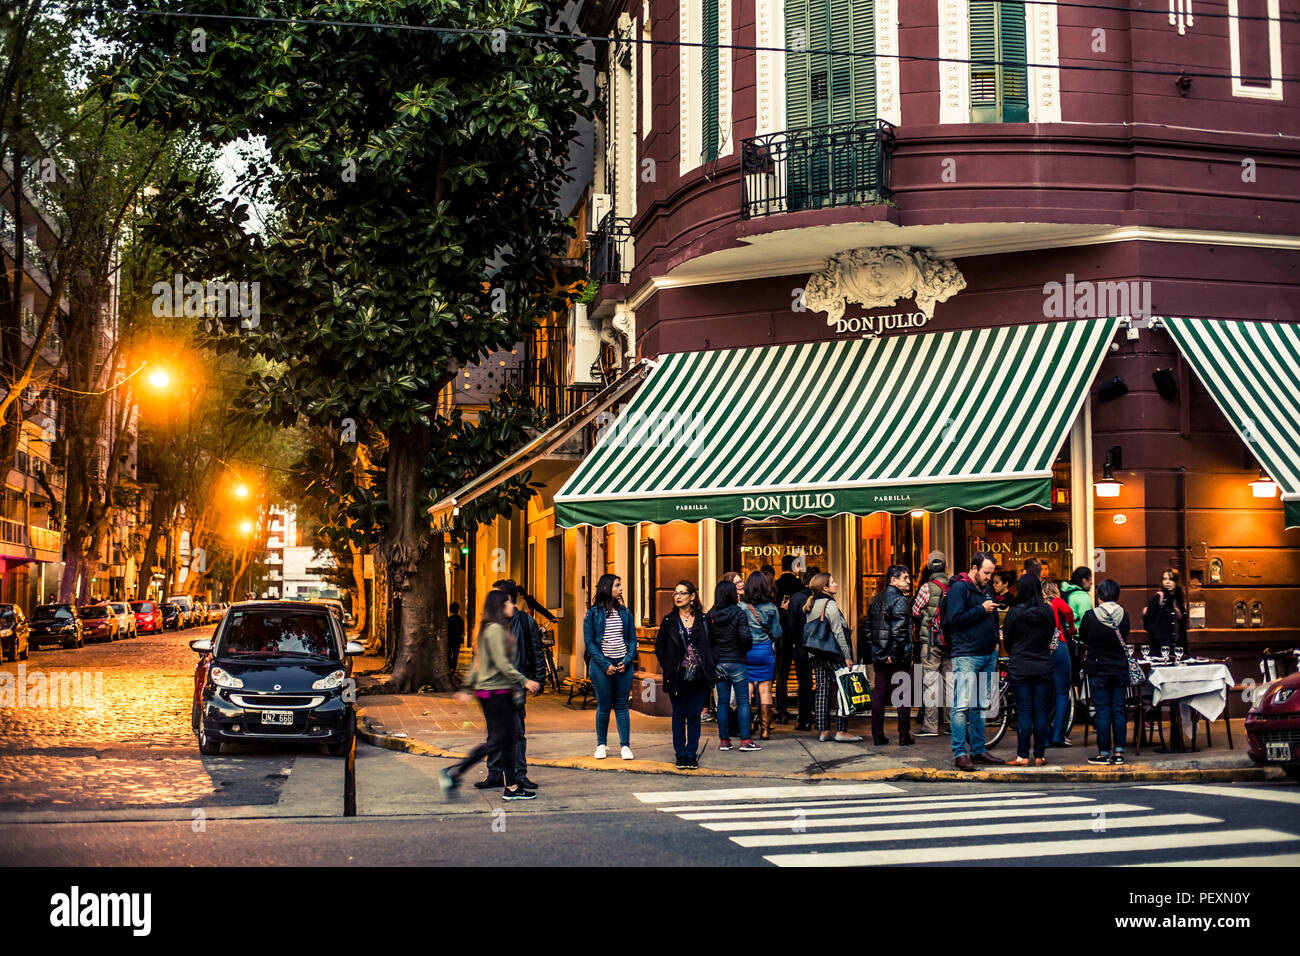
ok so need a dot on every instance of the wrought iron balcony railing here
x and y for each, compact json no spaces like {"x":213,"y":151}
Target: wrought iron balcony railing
{"x":816,"y":167}
{"x":609,"y":251}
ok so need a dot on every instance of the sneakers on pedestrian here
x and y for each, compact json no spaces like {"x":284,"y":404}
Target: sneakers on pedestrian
{"x":746,"y":745}
{"x":709,"y":718}
{"x":1100,"y":759}
{"x":683,"y":763}
{"x":724,"y":744}
{"x":693,"y":762}
{"x":1117,"y":757}
{"x":600,"y":752}
{"x":448,"y":784}
{"x":926,"y":733}
{"x":626,"y":753}
{"x":519,"y":793}
{"x":490,"y":783}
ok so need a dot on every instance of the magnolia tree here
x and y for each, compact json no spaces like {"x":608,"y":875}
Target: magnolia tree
{"x":413,"y":179}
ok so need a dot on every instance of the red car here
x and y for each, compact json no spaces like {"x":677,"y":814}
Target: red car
{"x":1273,"y":726}
{"x":100,"y":623}
{"x":148,"y":617}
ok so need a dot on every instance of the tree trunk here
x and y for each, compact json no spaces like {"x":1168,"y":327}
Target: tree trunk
{"x":358,"y":590}
{"x":415,"y":565}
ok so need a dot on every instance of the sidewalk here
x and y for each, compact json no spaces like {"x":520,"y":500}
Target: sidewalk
{"x":564,"y":736}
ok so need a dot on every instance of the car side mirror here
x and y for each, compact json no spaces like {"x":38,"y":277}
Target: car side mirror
{"x":354,"y":647}
{"x":202,"y":646}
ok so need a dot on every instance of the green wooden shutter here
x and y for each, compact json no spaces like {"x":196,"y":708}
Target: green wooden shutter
{"x":1012,"y":53}
{"x":710,"y":80}
{"x":983,"y":57}
{"x":864,"y":62}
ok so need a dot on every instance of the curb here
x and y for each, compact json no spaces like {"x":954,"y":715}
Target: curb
{"x":1079,"y":774}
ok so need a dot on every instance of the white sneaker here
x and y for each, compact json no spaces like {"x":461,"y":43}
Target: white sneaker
{"x":627,"y":753}
{"x":600,"y":752}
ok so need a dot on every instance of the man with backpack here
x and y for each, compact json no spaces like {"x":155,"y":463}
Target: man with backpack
{"x":936,"y":665}
{"x":969,"y":619}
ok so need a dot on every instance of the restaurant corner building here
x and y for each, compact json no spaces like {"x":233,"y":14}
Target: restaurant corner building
{"x":903,"y":305}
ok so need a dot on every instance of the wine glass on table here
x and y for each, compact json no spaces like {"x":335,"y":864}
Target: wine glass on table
{"x":1146,"y":652}
{"x":1178,"y":655}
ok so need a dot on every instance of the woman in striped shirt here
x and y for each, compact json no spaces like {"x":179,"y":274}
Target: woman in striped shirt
{"x":610,"y":638}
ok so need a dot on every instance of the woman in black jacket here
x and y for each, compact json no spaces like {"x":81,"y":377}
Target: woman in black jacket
{"x":1104,"y":632}
{"x":1165,"y":617}
{"x":1027,"y":633}
{"x":687,"y":665}
{"x":731,"y":639}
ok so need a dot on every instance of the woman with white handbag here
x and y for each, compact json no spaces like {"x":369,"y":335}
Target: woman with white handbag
{"x":826,"y":639}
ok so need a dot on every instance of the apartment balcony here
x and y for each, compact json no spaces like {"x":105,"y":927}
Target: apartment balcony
{"x":609,"y":251}
{"x":816,"y":167}
{"x":19,"y":540}
{"x":274,"y":559}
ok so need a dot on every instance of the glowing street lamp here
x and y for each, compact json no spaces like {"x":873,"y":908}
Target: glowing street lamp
{"x":159,"y":378}
{"x":241,"y":490}
{"x":246,"y":528}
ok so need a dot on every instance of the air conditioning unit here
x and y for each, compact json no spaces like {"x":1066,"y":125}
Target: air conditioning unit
{"x":598,"y":207}
{"x":583,"y":346}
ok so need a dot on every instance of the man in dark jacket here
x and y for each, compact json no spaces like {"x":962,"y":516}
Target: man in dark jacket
{"x":972,"y":621}
{"x":787,"y":585}
{"x":531,"y":662}
{"x":792,"y":626}
{"x":888,"y":636}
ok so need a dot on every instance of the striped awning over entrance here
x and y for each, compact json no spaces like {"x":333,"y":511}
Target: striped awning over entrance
{"x":1252,"y":370}
{"x":971,"y":419}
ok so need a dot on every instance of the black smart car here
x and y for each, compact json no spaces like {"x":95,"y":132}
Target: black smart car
{"x":171,"y":616}
{"x":274,"y":670}
{"x":56,"y":624}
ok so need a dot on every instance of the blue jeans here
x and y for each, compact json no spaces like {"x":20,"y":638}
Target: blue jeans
{"x":1108,"y":696}
{"x":1033,"y":705}
{"x":974,"y":679}
{"x":612,"y":692}
{"x":686,"y":719}
{"x":1061,"y":673}
{"x":737,"y":676}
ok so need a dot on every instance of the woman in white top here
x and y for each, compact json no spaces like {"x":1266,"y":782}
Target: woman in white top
{"x":610,"y":638}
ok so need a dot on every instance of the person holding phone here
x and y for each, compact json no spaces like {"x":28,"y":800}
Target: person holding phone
{"x":610,"y":639}
{"x":972,"y":617}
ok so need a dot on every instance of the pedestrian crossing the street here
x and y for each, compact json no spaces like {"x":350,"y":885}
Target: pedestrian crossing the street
{"x":884,"y":825}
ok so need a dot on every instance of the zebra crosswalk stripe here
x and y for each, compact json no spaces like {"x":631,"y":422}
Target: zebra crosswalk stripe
{"x":734,"y":826}
{"x":1281,"y":859}
{"x":979,"y":830}
{"x":1245,"y":793}
{"x":1007,"y":851}
{"x":900,"y":801}
{"x":885,"y":806}
{"x":810,"y":791}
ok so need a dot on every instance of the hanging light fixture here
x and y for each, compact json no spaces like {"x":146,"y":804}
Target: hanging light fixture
{"x":1108,"y":486}
{"x":1263,"y":486}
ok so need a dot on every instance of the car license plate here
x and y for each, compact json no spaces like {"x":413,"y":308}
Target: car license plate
{"x":1278,"y":751}
{"x":277,"y":717}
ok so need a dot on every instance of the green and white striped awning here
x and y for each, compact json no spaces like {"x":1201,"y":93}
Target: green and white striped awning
{"x":1252,"y":370}
{"x":971,"y":419}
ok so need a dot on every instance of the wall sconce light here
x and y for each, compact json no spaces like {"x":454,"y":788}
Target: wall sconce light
{"x":1216,"y":570}
{"x":1263,"y":486}
{"x":1112,"y":389}
{"x":1165,"y":382}
{"x":1108,"y":486}
{"x":1256,"y":614}
{"x":1239,"y":614}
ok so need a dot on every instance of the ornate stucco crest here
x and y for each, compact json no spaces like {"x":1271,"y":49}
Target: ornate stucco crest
{"x":878,"y":276}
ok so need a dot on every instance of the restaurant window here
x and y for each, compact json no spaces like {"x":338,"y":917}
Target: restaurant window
{"x":1013,"y":537}
{"x":767,"y":542}
{"x":885,"y":539}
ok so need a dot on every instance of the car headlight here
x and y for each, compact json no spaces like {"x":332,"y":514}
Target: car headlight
{"x":334,"y":680}
{"x":69,"y":627}
{"x":7,"y":632}
{"x":222,"y":679}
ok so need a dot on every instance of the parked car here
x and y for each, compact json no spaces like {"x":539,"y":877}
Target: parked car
{"x":334,"y":604}
{"x":148,"y":616}
{"x":274,"y":670}
{"x":57,"y":624}
{"x":186,"y":604}
{"x":172,"y":615}
{"x":99,"y":622}
{"x":125,"y":619}
{"x":15,"y":633}
{"x":1273,"y":726}
{"x":215,"y":611}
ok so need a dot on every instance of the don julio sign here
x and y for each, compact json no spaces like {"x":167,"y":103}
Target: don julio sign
{"x":873,"y":326}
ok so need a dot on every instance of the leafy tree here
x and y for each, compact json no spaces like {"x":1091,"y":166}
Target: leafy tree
{"x":414,"y":177}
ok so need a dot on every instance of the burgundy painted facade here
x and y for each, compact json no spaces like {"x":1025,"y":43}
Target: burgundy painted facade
{"x":1132,"y":150}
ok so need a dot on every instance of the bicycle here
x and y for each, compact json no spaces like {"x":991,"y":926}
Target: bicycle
{"x":552,"y":674}
{"x":1002,"y":710}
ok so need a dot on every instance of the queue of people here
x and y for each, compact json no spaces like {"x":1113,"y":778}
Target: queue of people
{"x":759,"y":626}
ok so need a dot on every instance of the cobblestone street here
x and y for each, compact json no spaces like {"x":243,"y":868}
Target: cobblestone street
{"x":133,"y":746}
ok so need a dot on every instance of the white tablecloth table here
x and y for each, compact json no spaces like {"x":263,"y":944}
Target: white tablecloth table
{"x":1200,"y":687}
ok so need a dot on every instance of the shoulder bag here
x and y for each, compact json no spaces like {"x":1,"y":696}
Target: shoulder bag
{"x":817,"y":634}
